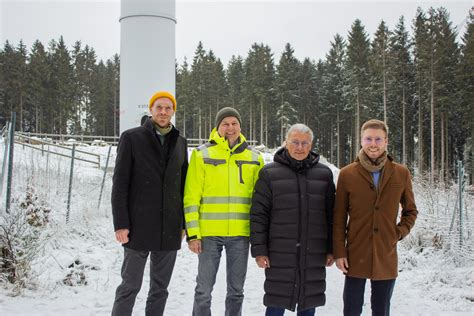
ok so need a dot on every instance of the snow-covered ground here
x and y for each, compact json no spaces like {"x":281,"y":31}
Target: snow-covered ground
{"x":429,"y":283}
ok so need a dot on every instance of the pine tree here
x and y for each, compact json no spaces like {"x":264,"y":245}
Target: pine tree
{"x":378,"y":62}
{"x":61,"y":92}
{"x":323,"y":125}
{"x":8,"y":87}
{"x":334,"y":83}
{"x":108,"y":109}
{"x":259,"y":95}
{"x":21,"y":83}
{"x":90,"y":76}
{"x":400,"y":94}
{"x":79,"y":86}
{"x":14,"y":81}
{"x":99,"y":119}
{"x":421,"y":61}
{"x":184,"y":99}
{"x":218,"y":87}
{"x":286,"y":115}
{"x":235,"y":75}
{"x":116,"y":94}
{"x":84,"y":62}
{"x":447,"y":60}
{"x":286,"y":83}
{"x":432,"y":31}
{"x":464,"y":135}
{"x":358,"y":78}
{"x":199,"y":90}
{"x":308,"y":92}
{"x":97,"y":101}
{"x":37,"y":86}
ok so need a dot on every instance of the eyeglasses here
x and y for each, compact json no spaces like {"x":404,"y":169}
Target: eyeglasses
{"x":368,"y":140}
{"x":297,"y":143}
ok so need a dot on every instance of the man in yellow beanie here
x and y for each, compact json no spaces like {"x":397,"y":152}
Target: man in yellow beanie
{"x":147,"y":204}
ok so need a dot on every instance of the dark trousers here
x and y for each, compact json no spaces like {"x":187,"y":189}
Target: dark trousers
{"x":161,"y":268}
{"x":277,"y":311}
{"x":381,"y":294}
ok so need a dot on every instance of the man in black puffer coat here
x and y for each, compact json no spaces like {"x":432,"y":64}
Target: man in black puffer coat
{"x":291,"y":226}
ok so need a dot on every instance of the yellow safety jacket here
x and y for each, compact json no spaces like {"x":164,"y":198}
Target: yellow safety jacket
{"x":219,"y":188}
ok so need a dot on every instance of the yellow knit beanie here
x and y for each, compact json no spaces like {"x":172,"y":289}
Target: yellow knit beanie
{"x":162,"y":94}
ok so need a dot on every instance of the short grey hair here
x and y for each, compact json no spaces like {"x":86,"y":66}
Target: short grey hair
{"x":301,"y":128}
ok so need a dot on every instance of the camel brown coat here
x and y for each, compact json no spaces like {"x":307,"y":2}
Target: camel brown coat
{"x":365,"y":229}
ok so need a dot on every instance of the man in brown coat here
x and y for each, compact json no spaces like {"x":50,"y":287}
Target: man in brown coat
{"x":365,"y":234}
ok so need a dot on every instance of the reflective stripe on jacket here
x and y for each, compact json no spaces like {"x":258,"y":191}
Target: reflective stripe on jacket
{"x":219,"y":188}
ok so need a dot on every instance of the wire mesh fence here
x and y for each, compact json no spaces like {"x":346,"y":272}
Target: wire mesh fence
{"x":445,"y":220}
{"x":51,"y":178}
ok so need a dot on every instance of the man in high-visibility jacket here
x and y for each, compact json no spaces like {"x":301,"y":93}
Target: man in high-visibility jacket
{"x":217,"y":197}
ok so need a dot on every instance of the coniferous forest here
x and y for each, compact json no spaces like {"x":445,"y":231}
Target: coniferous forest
{"x":418,"y":77}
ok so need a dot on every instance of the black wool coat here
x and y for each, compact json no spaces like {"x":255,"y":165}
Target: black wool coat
{"x":291,"y":223}
{"x":148,"y":186}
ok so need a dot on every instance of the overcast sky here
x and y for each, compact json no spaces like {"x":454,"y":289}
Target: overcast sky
{"x":227,"y":27}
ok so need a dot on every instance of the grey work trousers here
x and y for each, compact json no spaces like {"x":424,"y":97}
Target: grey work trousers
{"x":237,"y":253}
{"x":161,"y":268}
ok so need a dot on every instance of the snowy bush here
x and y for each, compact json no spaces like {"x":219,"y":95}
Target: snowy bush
{"x":37,"y":213}
{"x":21,"y":240}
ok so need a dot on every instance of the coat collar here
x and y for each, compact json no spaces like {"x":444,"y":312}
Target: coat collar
{"x":215,"y":138}
{"x":172,"y":136}
{"x":282,"y":156}
{"x":387,"y":172}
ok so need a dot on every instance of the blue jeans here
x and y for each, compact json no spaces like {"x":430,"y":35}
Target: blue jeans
{"x":277,"y":311}
{"x":381,"y":293}
{"x":237,"y":253}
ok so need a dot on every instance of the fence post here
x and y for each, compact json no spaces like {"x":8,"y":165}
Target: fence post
{"x":460,"y":181}
{"x":5,"y":155}
{"x":47,"y":172}
{"x":11,"y":144}
{"x":70,"y":183}
{"x":103,"y":178}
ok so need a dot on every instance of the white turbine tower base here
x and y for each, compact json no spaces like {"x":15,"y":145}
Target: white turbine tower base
{"x":147,"y":55}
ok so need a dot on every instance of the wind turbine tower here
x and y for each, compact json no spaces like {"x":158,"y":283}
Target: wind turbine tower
{"x":147,"y":55}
